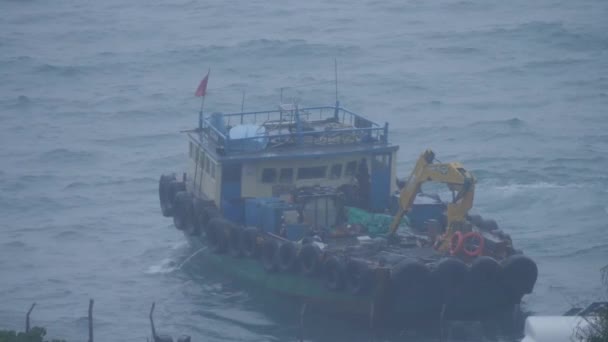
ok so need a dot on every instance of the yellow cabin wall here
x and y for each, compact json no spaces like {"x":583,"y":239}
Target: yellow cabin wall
{"x":251,"y":175}
{"x":200,"y":180}
{"x":251,"y":181}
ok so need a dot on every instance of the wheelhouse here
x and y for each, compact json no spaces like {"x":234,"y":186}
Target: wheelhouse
{"x":273,"y":153}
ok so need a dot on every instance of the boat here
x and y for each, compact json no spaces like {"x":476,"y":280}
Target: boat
{"x":306,"y":202}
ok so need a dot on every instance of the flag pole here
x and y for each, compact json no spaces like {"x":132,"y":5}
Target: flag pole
{"x":200,"y":113}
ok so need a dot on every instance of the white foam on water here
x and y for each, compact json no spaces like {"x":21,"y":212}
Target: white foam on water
{"x":179,"y":244}
{"x":513,"y":188}
{"x":167,"y":265}
{"x":190,"y":257}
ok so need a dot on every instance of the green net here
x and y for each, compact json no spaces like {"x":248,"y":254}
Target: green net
{"x":376,"y":224}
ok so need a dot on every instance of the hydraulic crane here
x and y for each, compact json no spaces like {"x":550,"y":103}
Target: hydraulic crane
{"x":459,"y":181}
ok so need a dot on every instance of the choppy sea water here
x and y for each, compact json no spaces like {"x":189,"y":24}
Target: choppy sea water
{"x":93,"y":96}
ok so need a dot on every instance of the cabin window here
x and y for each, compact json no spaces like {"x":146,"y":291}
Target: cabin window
{"x":213,"y":170}
{"x":312,"y":172}
{"x":351,"y":168}
{"x":269,"y":175}
{"x":381,"y":160}
{"x":336,"y":171}
{"x":201,"y":159}
{"x":196,"y":154}
{"x":286,"y":175}
{"x":207,"y":166}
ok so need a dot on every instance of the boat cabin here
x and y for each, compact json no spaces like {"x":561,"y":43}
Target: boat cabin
{"x":271,"y":154}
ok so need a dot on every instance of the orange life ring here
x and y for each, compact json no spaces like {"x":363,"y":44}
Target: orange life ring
{"x":456,"y":243}
{"x":475,"y":240}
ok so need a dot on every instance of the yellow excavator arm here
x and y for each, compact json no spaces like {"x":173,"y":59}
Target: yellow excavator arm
{"x":459,"y":181}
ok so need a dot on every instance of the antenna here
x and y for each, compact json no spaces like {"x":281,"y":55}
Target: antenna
{"x":337,"y":108}
{"x":336,"y":76}
{"x":242,"y":106}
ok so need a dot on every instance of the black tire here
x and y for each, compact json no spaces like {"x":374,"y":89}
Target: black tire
{"x":174,"y":188}
{"x":269,"y":255}
{"x":485,"y":283}
{"x":166,"y":203}
{"x":518,"y":276}
{"x":309,"y":259}
{"x":476,"y":220}
{"x":334,"y":273}
{"x":222,"y":236}
{"x":248,"y":243}
{"x":163,"y":338}
{"x":200,"y":218}
{"x":210,"y":231}
{"x":453,"y":279}
{"x":183,"y":212}
{"x":287,"y":257}
{"x":359,"y":277}
{"x":235,"y":236}
{"x":489,"y":225}
{"x":211,"y":212}
{"x":217,"y":234}
{"x":412,"y":287}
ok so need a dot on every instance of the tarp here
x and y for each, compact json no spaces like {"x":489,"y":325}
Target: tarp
{"x":376,"y":224}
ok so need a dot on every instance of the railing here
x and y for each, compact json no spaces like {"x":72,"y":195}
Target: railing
{"x":359,"y":130}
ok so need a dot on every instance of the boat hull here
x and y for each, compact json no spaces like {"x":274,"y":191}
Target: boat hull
{"x":311,"y":291}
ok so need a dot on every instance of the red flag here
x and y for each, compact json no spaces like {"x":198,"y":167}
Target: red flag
{"x":202,"y":88}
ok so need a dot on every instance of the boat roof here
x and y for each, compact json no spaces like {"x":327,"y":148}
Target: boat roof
{"x":290,"y":132}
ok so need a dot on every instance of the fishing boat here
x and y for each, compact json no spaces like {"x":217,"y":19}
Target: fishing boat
{"x":306,"y":202}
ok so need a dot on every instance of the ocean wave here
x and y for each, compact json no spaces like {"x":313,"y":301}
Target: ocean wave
{"x":554,"y":63}
{"x":24,"y":182}
{"x":91,"y":185}
{"x":14,"y":244}
{"x":456,"y":50}
{"x":595,"y":160}
{"x":468,"y":5}
{"x":538,"y":33}
{"x":60,"y":70}
{"x":179,"y":245}
{"x":595,"y":249}
{"x":517,"y":188}
{"x":510,"y":123}
{"x":23,"y":205}
{"x":69,"y":235}
{"x":265,"y":51}
{"x":552,"y":33}
{"x":63,"y":155}
{"x":76,"y":185}
{"x":167,"y":265}
{"x":138,"y":140}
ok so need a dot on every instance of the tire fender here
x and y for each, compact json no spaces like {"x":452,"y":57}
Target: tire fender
{"x":309,"y":259}
{"x":287,"y":257}
{"x":334,"y":272}
{"x":269,"y":255}
{"x":359,"y":277}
